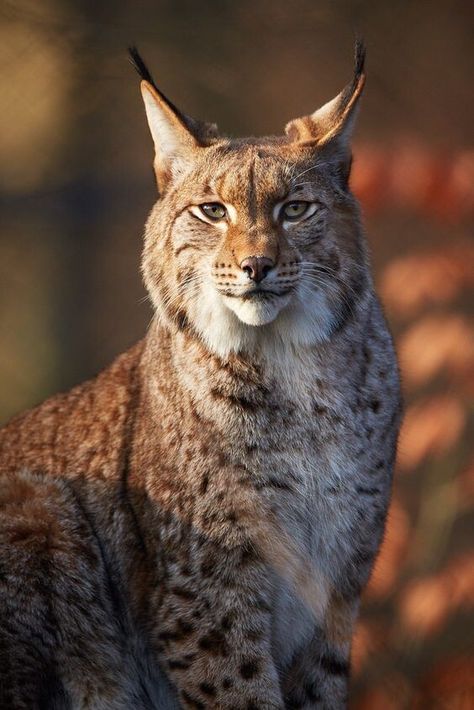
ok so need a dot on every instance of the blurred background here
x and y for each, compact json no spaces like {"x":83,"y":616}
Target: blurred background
{"x":76,"y":185}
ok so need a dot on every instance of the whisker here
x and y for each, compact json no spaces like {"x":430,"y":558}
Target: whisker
{"x":303,"y":172}
{"x":336,"y":287}
{"x":322,"y":270}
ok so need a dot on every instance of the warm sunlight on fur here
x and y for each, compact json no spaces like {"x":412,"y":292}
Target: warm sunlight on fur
{"x":194,"y":527}
{"x":255,"y":243}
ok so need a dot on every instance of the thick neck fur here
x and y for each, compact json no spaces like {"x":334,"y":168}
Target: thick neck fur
{"x":240,"y":398}
{"x":241,"y":427}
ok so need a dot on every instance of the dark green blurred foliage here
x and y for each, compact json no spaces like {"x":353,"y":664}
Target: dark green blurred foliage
{"x":76,"y":184}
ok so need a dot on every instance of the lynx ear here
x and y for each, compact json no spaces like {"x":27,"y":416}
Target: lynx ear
{"x":332,"y":124}
{"x":175,"y":136}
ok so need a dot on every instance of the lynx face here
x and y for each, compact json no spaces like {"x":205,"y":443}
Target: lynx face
{"x":254,"y":240}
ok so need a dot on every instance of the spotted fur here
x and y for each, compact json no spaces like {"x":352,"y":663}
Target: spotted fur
{"x":193,"y":527}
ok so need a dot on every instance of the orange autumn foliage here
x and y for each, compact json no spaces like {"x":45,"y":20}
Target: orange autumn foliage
{"x":416,"y":281}
{"x":430,"y":428}
{"x":442,"y":344}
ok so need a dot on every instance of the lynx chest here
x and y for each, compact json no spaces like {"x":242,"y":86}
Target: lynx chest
{"x":305,"y":475}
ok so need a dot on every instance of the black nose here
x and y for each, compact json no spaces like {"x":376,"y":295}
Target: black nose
{"x":257,"y":267}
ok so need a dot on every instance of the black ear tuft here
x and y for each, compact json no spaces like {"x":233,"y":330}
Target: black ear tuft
{"x":359,"y":58}
{"x":140,"y":66}
{"x":202,"y":132}
{"x":143,"y":71}
{"x":359,"y":63}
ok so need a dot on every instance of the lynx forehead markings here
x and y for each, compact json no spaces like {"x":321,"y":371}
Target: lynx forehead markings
{"x":193,"y":528}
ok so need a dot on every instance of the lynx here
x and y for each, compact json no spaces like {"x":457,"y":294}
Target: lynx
{"x":193,"y":527}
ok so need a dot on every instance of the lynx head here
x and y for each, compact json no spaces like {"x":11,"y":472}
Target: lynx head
{"x":254,"y":240}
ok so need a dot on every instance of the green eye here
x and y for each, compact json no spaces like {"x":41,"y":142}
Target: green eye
{"x":214,"y":210}
{"x":295,"y":209}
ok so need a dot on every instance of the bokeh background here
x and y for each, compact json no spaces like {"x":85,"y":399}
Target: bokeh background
{"x":76,"y":185}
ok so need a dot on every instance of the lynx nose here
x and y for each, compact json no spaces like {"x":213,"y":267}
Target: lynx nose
{"x":257,"y":267}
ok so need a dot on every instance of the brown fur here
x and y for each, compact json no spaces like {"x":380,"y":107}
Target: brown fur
{"x":193,"y":527}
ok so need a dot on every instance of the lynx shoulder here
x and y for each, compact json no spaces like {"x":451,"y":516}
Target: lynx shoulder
{"x":194,"y":527}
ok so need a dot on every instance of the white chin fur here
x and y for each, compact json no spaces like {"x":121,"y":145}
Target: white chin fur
{"x":294,"y":323}
{"x":254,"y":312}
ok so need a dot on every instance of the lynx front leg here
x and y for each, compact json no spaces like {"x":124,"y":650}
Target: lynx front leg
{"x":215,"y":633}
{"x":319,"y":674}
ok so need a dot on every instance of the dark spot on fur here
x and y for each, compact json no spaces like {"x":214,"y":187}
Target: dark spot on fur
{"x":184,"y":593}
{"x":214,"y":642}
{"x":312,"y":693}
{"x":192,"y":702}
{"x":280,"y":485}
{"x":227,"y":621}
{"x":333,"y":665}
{"x":204,"y":484}
{"x":246,"y":404}
{"x":207,"y":566}
{"x":185,"y":627}
{"x":227,"y":683}
{"x":262,"y":605}
{"x":167,"y":518}
{"x":232,"y":399}
{"x":249,"y":554}
{"x":249,"y":669}
{"x":274,"y":483}
{"x":255,"y":634}
{"x":380,"y":464}
{"x":183,"y":630}
{"x":195,"y":415}
{"x":207,"y":689}
{"x":222,"y":459}
{"x":295,"y":700}
{"x":375,"y":405}
{"x":177,"y":664}
{"x":50,"y":689}
{"x":319,"y":409}
{"x":367,"y":491}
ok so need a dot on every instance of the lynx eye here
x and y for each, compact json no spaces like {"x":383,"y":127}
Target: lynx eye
{"x":214,"y":211}
{"x":294,"y":209}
